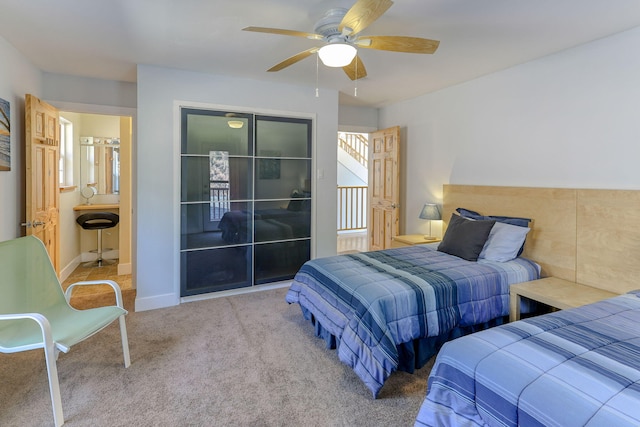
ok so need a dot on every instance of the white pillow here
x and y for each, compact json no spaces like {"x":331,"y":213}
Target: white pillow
{"x":504,"y":242}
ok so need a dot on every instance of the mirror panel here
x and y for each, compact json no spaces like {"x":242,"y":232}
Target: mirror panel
{"x":100,"y":164}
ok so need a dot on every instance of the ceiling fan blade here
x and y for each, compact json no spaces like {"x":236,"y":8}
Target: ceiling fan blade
{"x":363,"y":13}
{"x":294,"y":33}
{"x":295,"y":58}
{"x":356,"y":69}
{"x":398,"y":44}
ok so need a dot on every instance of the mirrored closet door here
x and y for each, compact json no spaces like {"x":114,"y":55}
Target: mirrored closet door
{"x":245,"y":199}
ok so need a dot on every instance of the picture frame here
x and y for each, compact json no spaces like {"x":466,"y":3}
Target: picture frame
{"x":269,"y":168}
{"x":5,"y":135}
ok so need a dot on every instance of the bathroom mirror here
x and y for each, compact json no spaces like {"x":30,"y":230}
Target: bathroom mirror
{"x":100,"y":164}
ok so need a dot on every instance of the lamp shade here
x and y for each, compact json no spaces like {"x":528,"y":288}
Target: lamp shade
{"x":430,"y":211}
{"x":337,"y":54}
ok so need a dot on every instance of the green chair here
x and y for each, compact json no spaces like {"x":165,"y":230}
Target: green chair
{"x":35,"y":313}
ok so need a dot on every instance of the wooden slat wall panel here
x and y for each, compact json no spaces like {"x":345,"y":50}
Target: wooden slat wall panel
{"x":608,"y":239}
{"x":552,"y":240}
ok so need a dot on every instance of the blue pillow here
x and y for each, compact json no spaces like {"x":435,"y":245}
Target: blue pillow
{"x":504,"y":242}
{"x":520,"y":222}
{"x":466,"y":213}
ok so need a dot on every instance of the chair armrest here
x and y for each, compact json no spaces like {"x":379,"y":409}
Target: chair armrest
{"x":45,"y":327}
{"x":114,"y":285}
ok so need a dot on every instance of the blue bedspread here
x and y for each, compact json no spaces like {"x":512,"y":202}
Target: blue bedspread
{"x":578,"y":367}
{"x":374,"y":301}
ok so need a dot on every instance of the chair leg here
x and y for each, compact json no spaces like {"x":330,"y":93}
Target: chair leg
{"x":125,"y":342}
{"x":54,"y":386}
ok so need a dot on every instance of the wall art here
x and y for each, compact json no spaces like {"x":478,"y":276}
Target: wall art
{"x":5,"y":136}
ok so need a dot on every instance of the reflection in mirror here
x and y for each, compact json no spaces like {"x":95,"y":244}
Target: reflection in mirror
{"x":218,"y":184}
{"x":100,"y":164}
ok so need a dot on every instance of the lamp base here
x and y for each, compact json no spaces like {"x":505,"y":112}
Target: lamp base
{"x":430,"y":237}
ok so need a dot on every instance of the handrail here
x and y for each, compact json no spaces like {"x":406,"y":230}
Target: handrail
{"x":356,"y":145}
{"x":218,"y":199}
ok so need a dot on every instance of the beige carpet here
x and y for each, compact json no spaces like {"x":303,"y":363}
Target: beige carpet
{"x":246,"y":360}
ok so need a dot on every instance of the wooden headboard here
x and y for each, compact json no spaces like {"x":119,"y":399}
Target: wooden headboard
{"x":588,"y":236}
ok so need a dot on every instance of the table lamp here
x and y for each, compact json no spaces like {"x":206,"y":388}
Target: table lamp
{"x":430,"y":212}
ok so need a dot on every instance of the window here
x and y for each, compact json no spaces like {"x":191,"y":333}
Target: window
{"x":65,"y":165}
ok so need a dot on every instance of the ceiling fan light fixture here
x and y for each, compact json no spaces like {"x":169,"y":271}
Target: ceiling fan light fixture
{"x":235,"y":124}
{"x":337,"y":54}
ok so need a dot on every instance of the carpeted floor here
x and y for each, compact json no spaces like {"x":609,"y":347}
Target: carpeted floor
{"x":246,"y":360}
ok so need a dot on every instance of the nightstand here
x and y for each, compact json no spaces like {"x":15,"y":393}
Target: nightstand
{"x":410,"y":240}
{"x":557,"y":293}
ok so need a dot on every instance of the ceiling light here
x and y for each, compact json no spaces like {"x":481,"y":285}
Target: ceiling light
{"x":337,"y":54}
{"x":235,"y":124}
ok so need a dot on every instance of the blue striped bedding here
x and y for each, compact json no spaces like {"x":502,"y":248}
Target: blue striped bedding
{"x":370,"y":303}
{"x":578,"y":367}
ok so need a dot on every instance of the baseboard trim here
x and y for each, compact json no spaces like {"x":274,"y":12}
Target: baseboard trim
{"x":239,"y":291}
{"x":66,"y":271}
{"x":158,"y":301}
{"x":124,"y":269}
{"x":92,"y":256}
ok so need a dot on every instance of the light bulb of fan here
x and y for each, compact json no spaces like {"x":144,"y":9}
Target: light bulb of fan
{"x":337,"y":54}
{"x":235,"y":124}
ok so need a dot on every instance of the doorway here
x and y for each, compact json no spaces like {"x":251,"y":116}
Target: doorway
{"x":379,"y":151}
{"x":106,"y":166}
{"x":353,"y":181}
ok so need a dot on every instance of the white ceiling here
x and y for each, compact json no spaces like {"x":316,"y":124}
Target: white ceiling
{"x":106,"y":39}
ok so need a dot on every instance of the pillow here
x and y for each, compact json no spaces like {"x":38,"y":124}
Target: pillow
{"x":466,"y":213}
{"x":504,"y":242}
{"x":520,"y":222}
{"x":465,"y":238}
{"x":295,"y":205}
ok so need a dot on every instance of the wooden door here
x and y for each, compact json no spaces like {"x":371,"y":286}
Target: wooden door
{"x":384,"y":187}
{"x":42,"y":151}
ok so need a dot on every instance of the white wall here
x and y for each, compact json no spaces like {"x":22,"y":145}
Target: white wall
{"x":17,"y":78}
{"x":85,"y":90}
{"x":347,"y":178}
{"x":160,"y":93}
{"x":357,"y":119}
{"x":565,"y":120}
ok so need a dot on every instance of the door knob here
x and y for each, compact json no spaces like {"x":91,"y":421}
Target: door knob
{"x":32,"y":224}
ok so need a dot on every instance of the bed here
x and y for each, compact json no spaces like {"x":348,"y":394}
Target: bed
{"x":392,"y":309}
{"x":270,"y":224}
{"x":578,"y":235}
{"x":273,"y":223}
{"x":376,"y":307}
{"x":575,"y":367}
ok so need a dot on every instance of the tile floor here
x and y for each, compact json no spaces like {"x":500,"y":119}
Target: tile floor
{"x":96,"y":295}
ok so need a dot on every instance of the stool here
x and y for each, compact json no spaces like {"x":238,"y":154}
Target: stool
{"x":98,"y":221}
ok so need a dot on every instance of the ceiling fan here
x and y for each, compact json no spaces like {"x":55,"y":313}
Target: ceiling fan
{"x":340,"y":30}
